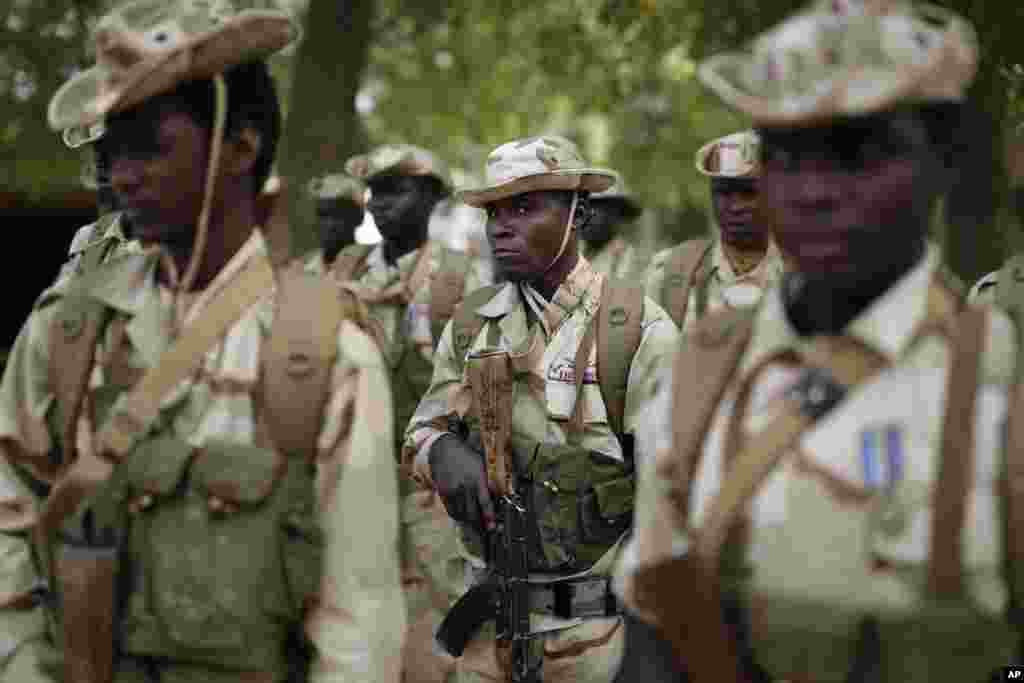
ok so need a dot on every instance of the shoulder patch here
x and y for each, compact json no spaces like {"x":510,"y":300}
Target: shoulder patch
{"x":357,"y":346}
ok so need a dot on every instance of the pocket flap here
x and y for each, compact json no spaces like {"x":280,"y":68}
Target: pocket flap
{"x":156,"y":465}
{"x":237,"y":473}
{"x":615,"y":497}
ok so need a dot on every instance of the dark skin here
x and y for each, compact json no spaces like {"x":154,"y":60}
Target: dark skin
{"x":525,"y":232}
{"x":158,"y":156}
{"x":337,"y":220}
{"x":744,"y":236}
{"x":401,"y":206}
{"x":607,"y":219}
{"x":850,"y":205}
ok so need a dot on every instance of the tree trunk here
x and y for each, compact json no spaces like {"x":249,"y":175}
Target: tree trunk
{"x":323,"y":128}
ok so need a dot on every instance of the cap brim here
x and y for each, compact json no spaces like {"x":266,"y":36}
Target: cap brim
{"x":585,"y":179}
{"x":704,"y":155}
{"x":84,"y":99}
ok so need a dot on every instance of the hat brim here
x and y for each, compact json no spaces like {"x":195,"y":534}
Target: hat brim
{"x":584,"y":179}
{"x":943,"y":75}
{"x":703,"y":158}
{"x":251,"y":35}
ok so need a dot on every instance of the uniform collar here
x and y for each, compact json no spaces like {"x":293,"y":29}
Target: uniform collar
{"x":768,"y":270}
{"x":400,"y":269}
{"x":888,"y":325}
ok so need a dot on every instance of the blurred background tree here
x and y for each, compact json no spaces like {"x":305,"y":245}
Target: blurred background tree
{"x":462,"y":76}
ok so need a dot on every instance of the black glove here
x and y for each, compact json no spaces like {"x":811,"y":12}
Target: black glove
{"x":460,"y":475}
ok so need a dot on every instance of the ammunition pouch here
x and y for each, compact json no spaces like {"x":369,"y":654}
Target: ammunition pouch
{"x":223,"y":553}
{"x":579,"y":504}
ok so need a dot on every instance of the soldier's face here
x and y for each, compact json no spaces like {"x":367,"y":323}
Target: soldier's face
{"x":401,"y":203}
{"x":337,"y":222}
{"x":734,"y":201}
{"x":845,"y":199}
{"x":157,"y":155}
{"x":525,"y":233}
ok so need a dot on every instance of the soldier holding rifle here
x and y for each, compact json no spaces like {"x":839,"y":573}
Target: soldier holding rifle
{"x":527,"y":427}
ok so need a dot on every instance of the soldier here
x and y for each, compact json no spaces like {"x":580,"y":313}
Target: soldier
{"x":573,"y":349}
{"x":205,"y":488}
{"x":340,"y":208}
{"x":701,"y":276}
{"x":614,"y":211}
{"x":826,"y":494}
{"x":410,"y":286}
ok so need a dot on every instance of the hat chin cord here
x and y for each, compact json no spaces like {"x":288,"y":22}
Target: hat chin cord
{"x":565,"y":233}
{"x":203,"y":225}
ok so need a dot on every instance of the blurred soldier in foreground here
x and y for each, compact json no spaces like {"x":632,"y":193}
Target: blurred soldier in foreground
{"x":205,"y":488}
{"x":613,"y":211}
{"x":701,"y":276}
{"x":411,"y":285}
{"x":340,"y":207}
{"x":527,"y":428}
{"x":829,"y":492}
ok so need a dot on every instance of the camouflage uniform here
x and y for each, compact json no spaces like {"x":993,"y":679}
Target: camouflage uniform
{"x":544,"y":338}
{"x":717,"y":285}
{"x":357,"y":626}
{"x":398,"y":299}
{"x":217,"y":574}
{"x":832,"y":562}
{"x":106,"y":236}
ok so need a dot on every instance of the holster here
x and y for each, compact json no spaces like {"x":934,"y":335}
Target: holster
{"x":489,"y":373}
{"x":86,"y":578}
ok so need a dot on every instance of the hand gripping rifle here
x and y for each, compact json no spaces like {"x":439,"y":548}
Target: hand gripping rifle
{"x":504,"y":596}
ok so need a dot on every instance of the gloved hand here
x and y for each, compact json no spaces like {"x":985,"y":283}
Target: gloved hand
{"x":460,"y":475}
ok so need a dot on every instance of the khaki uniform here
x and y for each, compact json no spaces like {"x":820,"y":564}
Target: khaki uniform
{"x":105,"y":235}
{"x":358,"y":620}
{"x":721,"y":288}
{"x":618,"y":259}
{"x":543,"y":338}
{"x":984,"y":290}
{"x":839,"y":529}
{"x":431,"y":573}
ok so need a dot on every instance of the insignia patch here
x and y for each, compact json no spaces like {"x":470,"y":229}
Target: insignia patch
{"x":565,"y":372}
{"x":882,"y":450}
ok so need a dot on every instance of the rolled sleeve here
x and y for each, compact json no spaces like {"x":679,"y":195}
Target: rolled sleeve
{"x":359,"y":622}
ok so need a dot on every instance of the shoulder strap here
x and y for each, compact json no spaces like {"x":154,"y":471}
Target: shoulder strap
{"x":76,"y":327}
{"x":706,"y":362}
{"x":298,"y":358}
{"x":349,"y":261}
{"x":1010,"y":287}
{"x":446,"y":289}
{"x":466,"y":324}
{"x":967,"y":337}
{"x":685,"y":267}
{"x":619,"y":320}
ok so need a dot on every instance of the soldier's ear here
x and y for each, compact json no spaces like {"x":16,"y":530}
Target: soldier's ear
{"x":584,"y":212}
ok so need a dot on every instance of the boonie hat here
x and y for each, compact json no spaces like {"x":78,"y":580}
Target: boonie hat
{"x":546,"y":162}
{"x":399,"y":160}
{"x":148,"y":47}
{"x":847,"y":58}
{"x":338,"y":187}
{"x":733,"y":156}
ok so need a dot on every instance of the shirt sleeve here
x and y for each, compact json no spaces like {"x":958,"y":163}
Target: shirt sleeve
{"x":358,"y":625}
{"x":658,"y":339}
{"x":25,"y":399}
{"x":433,"y":409}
